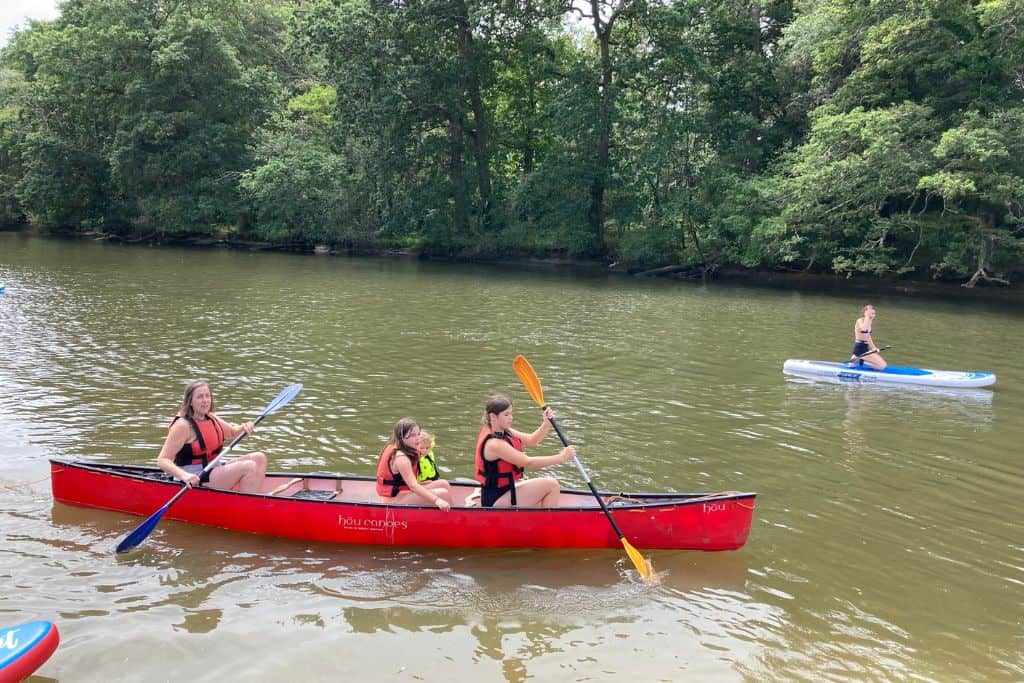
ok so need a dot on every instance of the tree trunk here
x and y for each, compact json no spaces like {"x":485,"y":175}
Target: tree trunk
{"x":460,"y":220}
{"x":471,"y":86}
{"x":528,"y":143}
{"x":752,"y":163}
{"x":986,"y":247}
{"x":602,"y":31}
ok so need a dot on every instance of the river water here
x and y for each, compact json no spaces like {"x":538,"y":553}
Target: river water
{"x":885,"y":547}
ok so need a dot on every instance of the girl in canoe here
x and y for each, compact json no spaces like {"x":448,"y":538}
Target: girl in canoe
{"x":500,"y":460}
{"x":398,"y":471}
{"x":862,"y":342}
{"x":195,"y":437}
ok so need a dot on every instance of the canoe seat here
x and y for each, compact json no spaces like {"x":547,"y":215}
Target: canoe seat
{"x":314,"y":495}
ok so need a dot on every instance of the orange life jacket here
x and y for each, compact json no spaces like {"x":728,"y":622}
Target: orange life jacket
{"x":206,"y":447}
{"x":495,"y":474}
{"x":390,"y":484}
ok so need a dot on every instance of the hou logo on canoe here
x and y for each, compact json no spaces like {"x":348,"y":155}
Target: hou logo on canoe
{"x":364,"y":523}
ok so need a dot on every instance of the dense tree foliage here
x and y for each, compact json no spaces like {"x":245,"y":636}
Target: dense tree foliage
{"x":878,"y":137}
{"x":139,"y":115}
{"x":911,"y":162}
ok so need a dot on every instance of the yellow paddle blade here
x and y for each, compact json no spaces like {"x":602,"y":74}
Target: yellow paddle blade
{"x":529,"y":379}
{"x":532,"y":383}
{"x":642,"y":565}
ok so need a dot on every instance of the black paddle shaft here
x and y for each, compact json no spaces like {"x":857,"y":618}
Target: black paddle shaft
{"x":586,"y":478}
{"x":868,"y":353}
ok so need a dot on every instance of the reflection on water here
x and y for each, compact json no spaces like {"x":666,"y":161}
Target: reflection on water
{"x":886,"y":544}
{"x":519,"y":606}
{"x":865,"y":403}
{"x":916,"y":392}
{"x":479,"y":581}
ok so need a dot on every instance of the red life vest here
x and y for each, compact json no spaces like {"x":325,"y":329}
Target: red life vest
{"x":390,"y":484}
{"x":494,"y":474}
{"x":206,"y":447}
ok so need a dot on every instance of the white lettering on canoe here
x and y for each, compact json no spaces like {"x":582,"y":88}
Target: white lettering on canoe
{"x":364,"y":524}
{"x":715,"y":507}
{"x":10,"y":642}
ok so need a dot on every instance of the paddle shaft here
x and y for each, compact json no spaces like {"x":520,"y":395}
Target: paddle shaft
{"x":586,"y":478}
{"x":871,"y":352}
{"x":234,"y":442}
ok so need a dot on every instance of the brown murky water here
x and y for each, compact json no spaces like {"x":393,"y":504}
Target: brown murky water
{"x":886,"y":544}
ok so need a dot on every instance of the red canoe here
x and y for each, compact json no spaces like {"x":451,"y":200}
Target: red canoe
{"x":346,"y":509}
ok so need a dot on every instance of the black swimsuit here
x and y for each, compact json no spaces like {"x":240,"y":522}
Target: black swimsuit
{"x":859,"y":349}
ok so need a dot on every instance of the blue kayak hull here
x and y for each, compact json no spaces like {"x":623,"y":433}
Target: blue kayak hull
{"x":893,"y":374}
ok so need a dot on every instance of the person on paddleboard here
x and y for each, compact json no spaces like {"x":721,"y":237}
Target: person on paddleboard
{"x":500,"y":460}
{"x":196,"y":436}
{"x":864,"y":350}
{"x":398,"y":471}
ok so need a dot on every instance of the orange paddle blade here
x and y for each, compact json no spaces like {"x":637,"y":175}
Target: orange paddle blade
{"x":529,"y":379}
{"x":642,"y":565}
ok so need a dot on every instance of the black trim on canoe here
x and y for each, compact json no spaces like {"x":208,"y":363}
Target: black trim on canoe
{"x":634,"y":501}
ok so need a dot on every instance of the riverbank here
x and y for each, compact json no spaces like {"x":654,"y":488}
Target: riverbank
{"x":776,"y":280}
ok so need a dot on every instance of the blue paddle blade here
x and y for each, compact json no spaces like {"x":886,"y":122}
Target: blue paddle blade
{"x":143,"y":530}
{"x":283,"y":399}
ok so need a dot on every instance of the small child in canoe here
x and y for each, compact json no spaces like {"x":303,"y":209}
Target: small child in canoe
{"x":428,"y":465}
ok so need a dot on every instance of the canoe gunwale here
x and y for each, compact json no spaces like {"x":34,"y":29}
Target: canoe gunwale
{"x":656,"y":500}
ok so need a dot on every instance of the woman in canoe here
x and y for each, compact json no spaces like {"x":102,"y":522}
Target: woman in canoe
{"x":863,"y":343}
{"x":500,"y":460}
{"x":398,"y":471}
{"x":195,"y":437}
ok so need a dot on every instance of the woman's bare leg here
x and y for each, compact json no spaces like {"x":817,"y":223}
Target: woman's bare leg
{"x":243,"y":474}
{"x":875,"y":361}
{"x":535,"y":493}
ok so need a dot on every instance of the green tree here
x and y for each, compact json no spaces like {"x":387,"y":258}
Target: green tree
{"x":12,"y":90}
{"x":980,"y":185}
{"x":188,"y":119}
{"x":74,"y":77}
{"x":702,"y":114}
{"x":411,"y":80}
{"x":305,"y":190}
{"x":141,"y":113}
{"x":895,"y":174}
